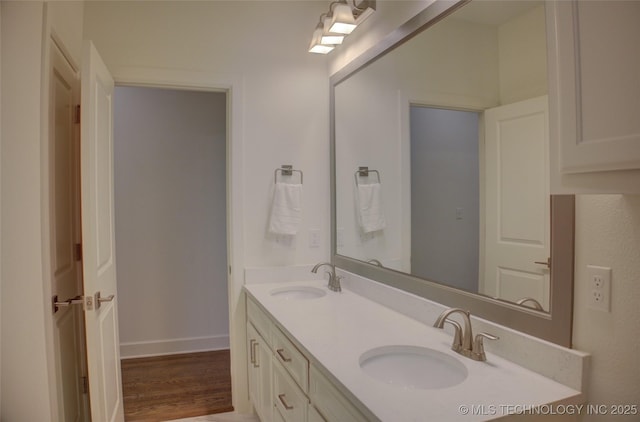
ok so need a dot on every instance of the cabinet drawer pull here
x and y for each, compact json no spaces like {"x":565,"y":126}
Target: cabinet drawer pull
{"x":252,"y":352}
{"x":283,"y":356}
{"x":284,"y":403}
{"x":256,"y":363}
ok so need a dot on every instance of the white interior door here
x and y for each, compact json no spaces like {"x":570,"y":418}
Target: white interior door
{"x":64,"y":217}
{"x":517,"y":201}
{"x":101,"y":316}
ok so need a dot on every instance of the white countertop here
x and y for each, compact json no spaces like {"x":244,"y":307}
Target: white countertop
{"x":337,"y":328}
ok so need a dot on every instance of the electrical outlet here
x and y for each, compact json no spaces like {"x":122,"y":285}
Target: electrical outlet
{"x":600,"y":287}
{"x":597,"y":281}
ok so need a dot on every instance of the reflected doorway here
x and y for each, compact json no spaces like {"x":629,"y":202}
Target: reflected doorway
{"x":480,"y":211}
{"x":445,"y":196}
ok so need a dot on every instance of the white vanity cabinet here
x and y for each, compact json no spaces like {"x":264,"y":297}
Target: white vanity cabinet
{"x":283,"y":384}
{"x":259,"y":365}
{"x":594,"y":93}
{"x":329,"y":401}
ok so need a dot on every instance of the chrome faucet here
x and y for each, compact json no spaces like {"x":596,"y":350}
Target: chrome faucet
{"x":463,"y":341}
{"x":334,"y":280}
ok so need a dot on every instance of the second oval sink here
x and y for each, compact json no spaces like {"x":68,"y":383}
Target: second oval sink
{"x":298,"y":292}
{"x":413,"y":367}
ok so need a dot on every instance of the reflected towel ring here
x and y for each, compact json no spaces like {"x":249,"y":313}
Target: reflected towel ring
{"x":286,"y":170}
{"x":364,"y":172}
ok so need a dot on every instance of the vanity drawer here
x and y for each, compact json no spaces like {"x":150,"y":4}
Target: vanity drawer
{"x":288,"y":399}
{"x":259,"y":319}
{"x":295,"y":363}
{"x":329,"y":401}
{"x":313,"y":415}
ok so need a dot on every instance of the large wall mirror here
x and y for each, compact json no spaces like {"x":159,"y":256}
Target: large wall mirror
{"x":440,"y":144}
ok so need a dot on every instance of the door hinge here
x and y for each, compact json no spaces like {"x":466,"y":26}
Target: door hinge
{"x":229,"y":269}
{"x":85,"y":385}
{"x":76,"y":115}
{"x":78,"y":251}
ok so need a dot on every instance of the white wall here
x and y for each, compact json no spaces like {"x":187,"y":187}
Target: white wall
{"x":523,"y":57}
{"x":170,"y":214}
{"x":28,"y":388}
{"x":24,"y":361}
{"x":608,"y":234}
{"x":28,"y":384}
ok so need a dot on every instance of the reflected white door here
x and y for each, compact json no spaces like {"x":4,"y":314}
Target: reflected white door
{"x":64,"y":218}
{"x":101,"y":316}
{"x":517,"y":212}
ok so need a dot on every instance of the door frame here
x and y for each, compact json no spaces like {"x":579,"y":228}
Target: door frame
{"x":448,"y":102}
{"x":232,"y":85}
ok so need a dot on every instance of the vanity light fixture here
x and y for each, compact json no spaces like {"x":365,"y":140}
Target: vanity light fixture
{"x":340,"y":21}
{"x":329,"y":37}
{"x":317,"y":45}
{"x":363,"y":9}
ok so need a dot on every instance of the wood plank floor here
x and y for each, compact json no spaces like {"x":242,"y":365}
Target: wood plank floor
{"x":176,"y":386}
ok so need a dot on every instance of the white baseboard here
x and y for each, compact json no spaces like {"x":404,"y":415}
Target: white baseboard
{"x":173,"y":346}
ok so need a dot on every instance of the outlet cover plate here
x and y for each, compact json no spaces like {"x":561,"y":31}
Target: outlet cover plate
{"x":599,"y":279}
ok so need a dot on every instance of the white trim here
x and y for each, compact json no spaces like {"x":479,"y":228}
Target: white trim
{"x":233,"y":85}
{"x":173,"y":346}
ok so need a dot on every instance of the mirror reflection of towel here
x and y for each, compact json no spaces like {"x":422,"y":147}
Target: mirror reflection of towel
{"x":370,"y":211}
{"x":286,"y":209}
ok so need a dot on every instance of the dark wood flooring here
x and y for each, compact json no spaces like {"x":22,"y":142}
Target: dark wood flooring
{"x":176,"y":386}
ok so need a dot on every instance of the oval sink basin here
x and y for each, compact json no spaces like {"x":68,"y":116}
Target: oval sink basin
{"x":413,"y":367}
{"x":298,"y":292}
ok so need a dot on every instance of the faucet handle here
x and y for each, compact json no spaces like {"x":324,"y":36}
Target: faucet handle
{"x":478,"y":346}
{"x":456,"y":346}
{"x":334,"y":282}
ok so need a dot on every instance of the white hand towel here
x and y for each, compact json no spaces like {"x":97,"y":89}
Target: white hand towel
{"x":286,"y":209}
{"x":370,"y":210}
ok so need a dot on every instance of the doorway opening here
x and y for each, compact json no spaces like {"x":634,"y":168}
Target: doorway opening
{"x":170,"y":167}
{"x":445,"y":195}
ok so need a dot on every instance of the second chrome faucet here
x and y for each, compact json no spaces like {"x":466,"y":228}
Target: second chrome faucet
{"x":463,"y":341}
{"x":334,"y":279}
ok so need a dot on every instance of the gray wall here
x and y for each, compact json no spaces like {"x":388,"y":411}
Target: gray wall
{"x":170,"y":199}
{"x":444,"y":178}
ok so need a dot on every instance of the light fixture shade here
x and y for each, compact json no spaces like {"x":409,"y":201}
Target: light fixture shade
{"x":329,"y":38}
{"x":342,"y":21}
{"x":316,"y":45}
